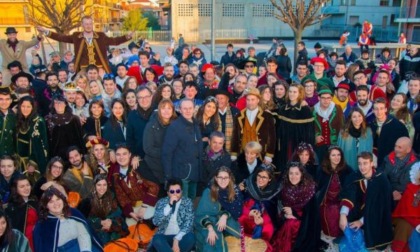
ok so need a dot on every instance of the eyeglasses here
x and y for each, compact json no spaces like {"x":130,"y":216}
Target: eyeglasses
{"x":249,"y":66}
{"x":223,"y":178}
{"x":57,"y":167}
{"x":178,"y":191}
{"x":262,"y":177}
{"x":143,"y":97}
{"x":147,"y":48}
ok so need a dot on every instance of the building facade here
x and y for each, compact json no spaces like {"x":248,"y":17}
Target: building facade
{"x":234,"y":19}
{"x":409,"y":20}
{"x":350,"y":15}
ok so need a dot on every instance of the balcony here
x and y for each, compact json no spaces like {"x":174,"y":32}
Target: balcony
{"x":408,"y":15}
{"x":333,"y":10}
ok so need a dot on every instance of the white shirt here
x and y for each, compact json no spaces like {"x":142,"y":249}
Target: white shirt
{"x":251,"y":114}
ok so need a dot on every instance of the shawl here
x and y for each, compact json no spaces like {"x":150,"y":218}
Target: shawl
{"x":267,"y":193}
{"x":325,"y":114}
{"x":54,"y":120}
{"x":235,"y":207}
{"x":297,"y":196}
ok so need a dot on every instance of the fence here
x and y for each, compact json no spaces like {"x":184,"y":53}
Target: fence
{"x":388,"y":34}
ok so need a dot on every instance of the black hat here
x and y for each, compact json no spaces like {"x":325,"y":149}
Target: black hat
{"x":133,"y":45}
{"x":10,"y":30}
{"x":21,"y":74}
{"x":317,"y":45}
{"x":215,"y":92}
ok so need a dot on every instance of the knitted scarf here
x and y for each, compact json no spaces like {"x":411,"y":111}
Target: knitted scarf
{"x":228,"y":129}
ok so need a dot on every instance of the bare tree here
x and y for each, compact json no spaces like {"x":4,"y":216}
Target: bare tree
{"x":299,"y":14}
{"x":59,"y":15}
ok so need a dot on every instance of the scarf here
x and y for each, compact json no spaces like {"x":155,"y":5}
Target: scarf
{"x":399,"y":163}
{"x":260,"y":194}
{"x":356,"y":133}
{"x":12,"y":44}
{"x":235,"y":210}
{"x":343,"y":104}
{"x":213,"y":155}
{"x":54,"y":120}
{"x":228,"y":128}
{"x":312,"y":100}
{"x":325,"y":114}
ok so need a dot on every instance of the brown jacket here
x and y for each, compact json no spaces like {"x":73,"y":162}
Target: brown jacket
{"x":266,"y":132}
{"x":94,"y":54}
{"x":8,"y":55}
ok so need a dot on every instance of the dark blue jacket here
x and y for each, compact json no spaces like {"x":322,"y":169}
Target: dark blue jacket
{"x":136,"y":124}
{"x":114,"y":135}
{"x":182,"y":150}
{"x":226,"y":59}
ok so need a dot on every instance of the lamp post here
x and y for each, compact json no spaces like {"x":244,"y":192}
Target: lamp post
{"x":213,"y":20}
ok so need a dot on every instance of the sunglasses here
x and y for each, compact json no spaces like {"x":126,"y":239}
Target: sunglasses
{"x":178,"y":191}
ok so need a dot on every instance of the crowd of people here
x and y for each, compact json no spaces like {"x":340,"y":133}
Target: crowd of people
{"x":110,"y":151}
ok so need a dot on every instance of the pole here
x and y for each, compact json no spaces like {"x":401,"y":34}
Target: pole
{"x":399,"y":23}
{"x":213,"y":18}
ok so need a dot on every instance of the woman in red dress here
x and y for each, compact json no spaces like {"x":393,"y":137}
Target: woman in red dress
{"x":331,"y":180}
{"x":298,"y":190}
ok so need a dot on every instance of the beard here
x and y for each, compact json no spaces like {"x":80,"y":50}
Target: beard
{"x":362,"y":102}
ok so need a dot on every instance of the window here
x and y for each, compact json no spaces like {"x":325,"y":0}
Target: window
{"x":354,"y":20}
{"x":396,"y":3}
{"x":204,"y":10}
{"x":262,"y":10}
{"x":185,"y":10}
{"x":384,"y":22}
{"x":353,"y":2}
{"x":233,"y":10}
{"x":416,"y":34}
{"x":384,"y":3}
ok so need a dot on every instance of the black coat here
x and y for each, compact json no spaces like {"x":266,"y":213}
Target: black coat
{"x":392,"y":129}
{"x":210,"y":166}
{"x":151,"y":167}
{"x":182,"y":150}
{"x":18,"y":213}
{"x":240,"y":168}
{"x":374,"y":206}
{"x":284,"y":67}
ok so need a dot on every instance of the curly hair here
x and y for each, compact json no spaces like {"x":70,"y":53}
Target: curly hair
{"x":46,"y":198}
{"x":306,"y":178}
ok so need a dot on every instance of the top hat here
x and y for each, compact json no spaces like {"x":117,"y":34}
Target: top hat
{"x":10,"y":30}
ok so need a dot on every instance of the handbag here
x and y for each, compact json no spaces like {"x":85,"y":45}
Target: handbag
{"x":352,"y":241}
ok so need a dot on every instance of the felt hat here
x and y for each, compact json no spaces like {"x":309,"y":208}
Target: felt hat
{"x":320,"y":60}
{"x":10,"y":30}
{"x":253,"y":91}
{"x":343,"y":85}
{"x":324,"y":90}
{"x":21,"y":74}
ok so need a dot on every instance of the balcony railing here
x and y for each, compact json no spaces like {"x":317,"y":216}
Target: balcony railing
{"x":409,"y":12}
